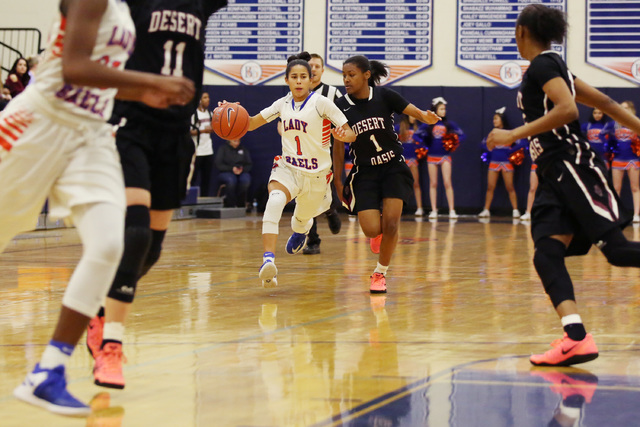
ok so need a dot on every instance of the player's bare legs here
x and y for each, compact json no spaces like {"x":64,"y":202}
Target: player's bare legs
{"x":433,"y":186}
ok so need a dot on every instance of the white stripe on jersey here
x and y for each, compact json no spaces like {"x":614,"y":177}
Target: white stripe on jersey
{"x":595,"y":206}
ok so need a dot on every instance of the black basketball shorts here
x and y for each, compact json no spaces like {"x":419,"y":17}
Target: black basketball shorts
{"x":578,"y":200}
{"x":366,"y":186}
{"x":157,"y":160}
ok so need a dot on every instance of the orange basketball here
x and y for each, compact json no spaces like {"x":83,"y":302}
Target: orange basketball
{"x":230,"y":121}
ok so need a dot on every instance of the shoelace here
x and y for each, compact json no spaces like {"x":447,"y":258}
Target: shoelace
{"x":113,"y":359}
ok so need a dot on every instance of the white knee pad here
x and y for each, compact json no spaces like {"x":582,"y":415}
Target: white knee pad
{"x":301,"y":226}
{"x":101,"y":228}
{"x":273,"y":212}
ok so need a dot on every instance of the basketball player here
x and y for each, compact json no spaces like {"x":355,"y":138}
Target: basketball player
{"x":575,"y":205}
{"x":156,"y":152}
{"x":55,"y":143}
{"x":380,"y":175}
{"x":303,"y":171}
{"x":313,"y":243}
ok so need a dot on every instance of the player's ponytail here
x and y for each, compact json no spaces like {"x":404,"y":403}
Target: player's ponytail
{"x":302,"y":58}
{"x":378,"y":69}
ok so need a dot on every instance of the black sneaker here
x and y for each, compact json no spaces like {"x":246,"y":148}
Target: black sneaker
{"x":311,"y":250}
{"x":335,"y":224}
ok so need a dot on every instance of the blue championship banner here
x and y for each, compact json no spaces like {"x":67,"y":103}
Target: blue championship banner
{"x":249,"y":41}
{"x":613,"y":37}
{"x":486,"y":41}
{"x":396,"y":32}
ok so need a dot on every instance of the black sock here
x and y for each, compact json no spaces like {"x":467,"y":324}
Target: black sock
{"x":101,"y":312}
{"x":105,"y":342}
{"x":576,"y":331}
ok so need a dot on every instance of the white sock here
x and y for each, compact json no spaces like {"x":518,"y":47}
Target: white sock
{"x":381,"y":269}
{"x":55,"y":354}
{"x":113,"y":331}
{"x":571,"y":319}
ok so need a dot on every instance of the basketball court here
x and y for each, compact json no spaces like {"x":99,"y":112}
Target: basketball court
{"x":447,"y":346}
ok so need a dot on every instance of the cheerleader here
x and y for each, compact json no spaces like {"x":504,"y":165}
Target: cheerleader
{"x":435,"y":136}
{"x":625,"y":158}
{"x":406,"y":129}
{"x":500,"y":163}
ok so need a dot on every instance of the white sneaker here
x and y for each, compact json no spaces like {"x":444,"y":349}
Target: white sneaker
{"x":484,"y":214}
{"x":636,"y":218}
{"x":268,"y":272}
{"x":516,"y":213}
{"x":433,"y":215}
{"x":526,"y":217}
{"x":419,"y":212}
{"x":453,"y":214}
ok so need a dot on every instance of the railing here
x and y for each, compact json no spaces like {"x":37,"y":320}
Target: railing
{"x":16,"y":43}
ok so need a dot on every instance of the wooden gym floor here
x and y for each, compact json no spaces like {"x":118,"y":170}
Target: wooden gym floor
{"x":447,"y":346}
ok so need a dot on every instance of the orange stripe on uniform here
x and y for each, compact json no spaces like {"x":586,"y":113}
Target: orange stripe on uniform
{"x":8,"y":132}
{"x":5,"y":144}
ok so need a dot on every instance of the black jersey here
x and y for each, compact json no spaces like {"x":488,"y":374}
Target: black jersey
{"x":169,"y":41}
{"x":372,"y":121}
{"x":566,"y":141}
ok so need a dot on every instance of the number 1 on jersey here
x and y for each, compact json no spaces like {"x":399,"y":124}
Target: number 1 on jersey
{"x":373,"y":139}
{"x":299,"y":152}
{"x":168,"y":56}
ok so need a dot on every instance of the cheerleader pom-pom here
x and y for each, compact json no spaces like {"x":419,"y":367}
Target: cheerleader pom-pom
{"x":517,"y":157}
{"x":450,"y":141}
{"x":635,"y":144}
{"x":485,"y":157}
{"x":421,"y":152}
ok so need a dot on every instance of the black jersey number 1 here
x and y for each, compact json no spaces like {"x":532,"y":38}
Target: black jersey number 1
{"x":168,"y":56}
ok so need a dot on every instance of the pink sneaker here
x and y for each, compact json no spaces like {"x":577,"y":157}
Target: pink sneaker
{"x":108,"y":369}
{"x":374,"y":244}
{"x":569,"y":383}
{"x":94,"y":335}
{"x":567,"y":352}
{"x":378,"y":284}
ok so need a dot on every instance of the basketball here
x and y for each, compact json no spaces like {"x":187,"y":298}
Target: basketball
{"x":230,"y":121}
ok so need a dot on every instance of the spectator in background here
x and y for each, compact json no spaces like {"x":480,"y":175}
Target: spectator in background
{"x":439,"y":154}
{"x":406,"y":129}
{"x":32,"y":62}
{"x":500,"y":162}
{"x":201,"y":134}
{"x":624,"y":158}
{"x":234,"y":163}
{"x":18,"y":78}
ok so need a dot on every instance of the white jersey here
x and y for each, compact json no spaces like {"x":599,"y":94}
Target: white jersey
{"x":306,"y":130}
{"x":114,"y":44}
{"x":202,"y":120}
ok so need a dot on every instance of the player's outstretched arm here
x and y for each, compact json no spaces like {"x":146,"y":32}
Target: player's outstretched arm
{"x":564,"y":111}
{"x":82,"y":23}
{"x":256,"y":121}
{"x":588,"y":95}
{"x":344,"y":133}
{"x":428,"y":117}
{"x":338,"y":166}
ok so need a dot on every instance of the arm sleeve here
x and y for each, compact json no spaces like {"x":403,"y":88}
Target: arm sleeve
{"x":329,"y":110}
{"x":273,"y":112}
{"x":394,"y":100}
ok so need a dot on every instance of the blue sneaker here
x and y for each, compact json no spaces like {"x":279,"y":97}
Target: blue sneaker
{"x":47,"y":388}
{"x":268,"y":272}
{"x":295,"y":243}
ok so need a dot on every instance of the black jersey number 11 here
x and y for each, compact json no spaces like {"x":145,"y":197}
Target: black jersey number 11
{"x":168,"y":59}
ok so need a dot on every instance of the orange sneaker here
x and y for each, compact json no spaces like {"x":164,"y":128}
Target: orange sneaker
{"x":108,"y":369}
{"x":94,"y":335}
{"x":567,"y":352}
{"x":576,"y":382}
{"x":374,"y":244}
{"x":378,"y":284}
